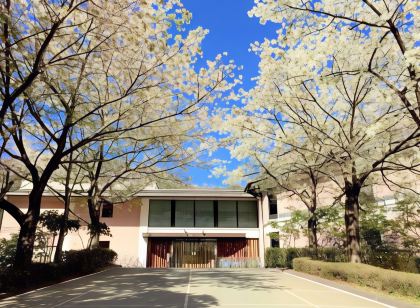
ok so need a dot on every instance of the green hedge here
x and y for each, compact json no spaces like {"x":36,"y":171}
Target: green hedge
{"x":75,"y":263}
{"x":88,"y":260}
{"x":394,"y":259}
{"x":283,"y":257}
{"x":407,"y":284}
{"x":390,"y":258}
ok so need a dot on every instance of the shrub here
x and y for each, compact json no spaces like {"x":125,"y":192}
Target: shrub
{"x":75,"y":263}
{"x":275,"y":257}
{"x":407,"y":284}
{"x":7,"y":251}
{"x":88,"y":260}
{"x":37,"y":275}
{"x":283,"y":257}
{"x":391,"y":258}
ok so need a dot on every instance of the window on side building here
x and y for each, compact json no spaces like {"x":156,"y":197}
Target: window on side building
{"x":107,"y":208}
{"x":274,"y":240}
{"x":103,"y":244}
{"x":273,"y":204}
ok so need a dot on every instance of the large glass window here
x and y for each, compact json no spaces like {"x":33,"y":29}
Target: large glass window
{"x":227,"y":214}
{"x":184,"y":213}
{"x":204,"y":213}
{"x":247,"y":214}
{"x":160,"y":213}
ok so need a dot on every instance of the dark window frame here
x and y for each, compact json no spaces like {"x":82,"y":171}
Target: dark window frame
{"x":274,"y":243}
{"x":104,"y":244}
{"x":272,"y":204}
{"x":107,"y":209}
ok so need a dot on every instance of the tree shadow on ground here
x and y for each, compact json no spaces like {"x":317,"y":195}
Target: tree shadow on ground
{"x":144,"y":288}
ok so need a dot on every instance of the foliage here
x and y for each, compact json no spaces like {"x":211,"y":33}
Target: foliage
{"x":7,"y":251}
{"x":406,"y":225}
{"x":283,"y":257}
{"x":88,"y":260}
{"x":407,"y":284}
{"x":291,"y":229}
{"x":53,"y":221}
{"x":75,"y":263}
{"x":38,"y":274}
{"x":390,"y":257}
{"x":122,"y":79}
{"x":331,"y":226}
{"x":99,"y":228}
{"x":326,"y":96}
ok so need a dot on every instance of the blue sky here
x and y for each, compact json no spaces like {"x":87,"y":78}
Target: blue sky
{"x":231,"y":30}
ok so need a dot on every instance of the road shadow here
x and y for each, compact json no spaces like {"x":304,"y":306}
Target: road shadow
{"x":117,"y":287}
{"x":146,"y":288}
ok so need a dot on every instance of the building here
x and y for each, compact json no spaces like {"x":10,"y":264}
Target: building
{"x":195,"y":228}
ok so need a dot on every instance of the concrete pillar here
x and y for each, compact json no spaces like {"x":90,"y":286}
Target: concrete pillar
{"x":144,"y":222}
{"x":263,"y":216}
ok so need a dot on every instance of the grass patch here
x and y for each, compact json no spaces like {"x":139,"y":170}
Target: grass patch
{"x":388,"y":281}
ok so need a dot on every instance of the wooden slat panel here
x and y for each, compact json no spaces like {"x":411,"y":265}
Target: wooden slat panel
{"x":237,"y":248}
{"x":158,"y":250}
{"x":194,"y":254}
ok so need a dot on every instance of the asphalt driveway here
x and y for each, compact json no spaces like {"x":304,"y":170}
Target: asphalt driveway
{"x":122,"y":287}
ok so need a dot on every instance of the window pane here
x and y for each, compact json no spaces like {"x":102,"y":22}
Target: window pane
{"x":184,"y":213}
{"x":107,"y":209}
{"x":247,"y":214}
{"x":273,"y":207}
{"x":204,"y":213}
{"x":103,"y":244}
{"x":160,"y":213}
{"x":227,"y":214}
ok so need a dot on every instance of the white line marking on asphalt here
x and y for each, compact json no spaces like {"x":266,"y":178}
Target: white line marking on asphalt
{"x":71,"y":299}
{"x":188,"y":290}
{"x":301,"y":298}
{"x":343,"y":291}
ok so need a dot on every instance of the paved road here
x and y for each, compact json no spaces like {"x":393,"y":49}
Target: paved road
{"x":119,"y":287}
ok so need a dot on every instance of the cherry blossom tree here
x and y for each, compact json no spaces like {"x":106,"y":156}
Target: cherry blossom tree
{"x":377,"y":38}
{"x":108,"y":69}
{"x":317,"y":94}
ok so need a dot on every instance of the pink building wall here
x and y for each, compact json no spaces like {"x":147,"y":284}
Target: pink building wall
{"x":124,"y":226}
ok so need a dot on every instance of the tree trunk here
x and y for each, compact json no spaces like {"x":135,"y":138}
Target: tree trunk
{"x":94,"y":241}
{"x":94,"y":213}
{"x":62,"y":234}
{"x":312,"y":232}
{"x":94,"y":237}
{"x":351,"y":218}
{"x":26,"y":241}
